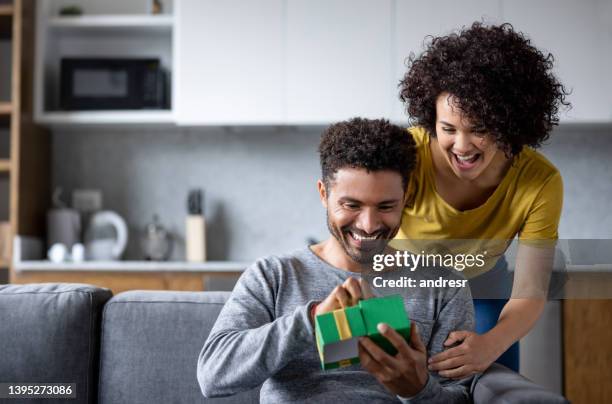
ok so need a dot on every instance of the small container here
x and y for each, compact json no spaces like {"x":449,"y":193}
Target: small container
{"x":156,"y":241}
{"x":157,"y":7}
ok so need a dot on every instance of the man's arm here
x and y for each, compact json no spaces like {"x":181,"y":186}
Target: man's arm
{"x":248,"y":344}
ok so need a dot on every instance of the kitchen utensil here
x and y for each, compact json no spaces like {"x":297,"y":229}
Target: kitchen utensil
{"x":156,"y":242}
{"x":63,"y":226}
{"x":106,"y":237}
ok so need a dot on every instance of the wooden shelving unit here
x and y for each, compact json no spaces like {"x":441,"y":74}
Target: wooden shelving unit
{"x":6,"y":109}
{"x":27,"y":165}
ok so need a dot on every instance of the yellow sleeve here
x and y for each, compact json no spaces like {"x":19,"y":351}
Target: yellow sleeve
{"x":542,"y":222}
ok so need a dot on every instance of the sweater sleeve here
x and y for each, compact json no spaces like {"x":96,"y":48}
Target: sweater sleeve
{"x":457,"y":313}
{"x":248,"y":343}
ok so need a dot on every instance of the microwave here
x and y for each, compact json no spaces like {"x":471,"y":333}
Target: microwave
{"x":112,"y":83}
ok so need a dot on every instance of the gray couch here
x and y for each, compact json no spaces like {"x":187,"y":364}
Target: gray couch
{"x":142,"y":346}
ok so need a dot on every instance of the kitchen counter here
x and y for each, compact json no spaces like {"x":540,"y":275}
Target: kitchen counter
{"x":132,"y":266}
{"x":119,"y":276}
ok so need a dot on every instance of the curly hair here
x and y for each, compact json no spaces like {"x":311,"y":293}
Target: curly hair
{"x":371,"y":144}
{"x":497,"y":80}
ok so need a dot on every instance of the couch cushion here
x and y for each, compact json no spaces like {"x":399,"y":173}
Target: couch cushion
{"x":500,"y":385}
{"x":50,"y":333}
{"x":150,"y":346}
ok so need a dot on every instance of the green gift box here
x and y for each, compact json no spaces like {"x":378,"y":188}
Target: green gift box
{"x":337,"y":332}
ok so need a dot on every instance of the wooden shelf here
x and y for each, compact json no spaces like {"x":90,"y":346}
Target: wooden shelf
{"x":6,"y":108}
{"x":5,"y":165}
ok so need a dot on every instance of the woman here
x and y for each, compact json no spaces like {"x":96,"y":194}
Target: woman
{"x":481,"y":101}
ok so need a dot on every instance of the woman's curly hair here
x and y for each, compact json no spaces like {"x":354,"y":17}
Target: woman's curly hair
{"x":497,"y":80}
{"x":371,"y":144}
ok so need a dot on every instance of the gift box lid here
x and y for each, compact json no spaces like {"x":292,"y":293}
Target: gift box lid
{"x":389,"y":310}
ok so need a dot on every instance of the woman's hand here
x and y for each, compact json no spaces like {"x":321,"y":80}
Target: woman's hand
{"x":474,"y":354}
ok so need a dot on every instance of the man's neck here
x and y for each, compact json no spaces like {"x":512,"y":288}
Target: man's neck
{"x":332,"y":252}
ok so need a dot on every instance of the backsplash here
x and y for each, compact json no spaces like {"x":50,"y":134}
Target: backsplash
{"x":582,"y":154}
{"x":260,"y":183}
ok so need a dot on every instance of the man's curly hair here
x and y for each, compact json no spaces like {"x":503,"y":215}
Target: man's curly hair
{"x":371,"y":144}
{"x":497,"y":80}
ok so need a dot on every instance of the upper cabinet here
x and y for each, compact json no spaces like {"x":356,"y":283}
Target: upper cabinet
{"x":109,"y":29}
{"x":275,"y":62}
{"x":306,"y":62}
{"x":229,"y":62}
{"x":579,"y":35}
{"x":338,"y":60}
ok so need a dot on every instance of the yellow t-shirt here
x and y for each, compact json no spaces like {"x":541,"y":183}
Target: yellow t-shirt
{"x":527,"y":202}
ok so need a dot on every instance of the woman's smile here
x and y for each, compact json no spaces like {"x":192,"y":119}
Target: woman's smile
{"x":465,"y":162}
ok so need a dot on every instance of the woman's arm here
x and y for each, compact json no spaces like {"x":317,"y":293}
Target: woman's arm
{"x":476,"y":352}
{"x":534,"y":263}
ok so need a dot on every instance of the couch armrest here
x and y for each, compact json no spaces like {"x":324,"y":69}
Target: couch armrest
{"x":50,"y":332}
{"x":498,"y":384}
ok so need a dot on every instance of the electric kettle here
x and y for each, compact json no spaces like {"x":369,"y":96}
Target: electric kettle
{"x":106,"y":237}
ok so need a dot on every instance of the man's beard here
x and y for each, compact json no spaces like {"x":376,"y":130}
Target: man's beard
{"x":365,"y":254}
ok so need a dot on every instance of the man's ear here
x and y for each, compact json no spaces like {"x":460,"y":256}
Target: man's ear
{"x":322,"y":193}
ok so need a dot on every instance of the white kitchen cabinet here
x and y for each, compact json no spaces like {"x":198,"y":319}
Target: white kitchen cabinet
{"x":578,"y":34}
{"x":305,"y":62}
{"x":415,"y":20}
{"x":338,"y":62}
{"x":228,"y":62}
{"x":107,"y":29}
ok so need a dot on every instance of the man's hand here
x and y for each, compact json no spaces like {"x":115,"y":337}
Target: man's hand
{"x":345,"y":295}
{"x":474,"y":354}
{"x":404,"y":374}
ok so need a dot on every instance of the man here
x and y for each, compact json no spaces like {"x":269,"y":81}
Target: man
{"x":264,"y":333}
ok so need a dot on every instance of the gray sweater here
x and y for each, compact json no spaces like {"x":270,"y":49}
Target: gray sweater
{"x":264,"y":335}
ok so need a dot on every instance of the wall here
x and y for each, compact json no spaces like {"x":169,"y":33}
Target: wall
{"x":260,"y":183}
{"x":582,"y":154}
